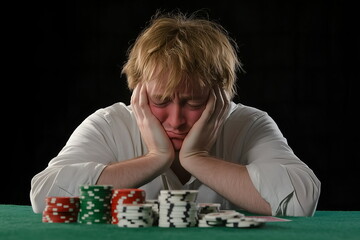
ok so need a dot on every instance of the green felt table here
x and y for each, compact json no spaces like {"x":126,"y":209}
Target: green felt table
{"x":20,"y":222}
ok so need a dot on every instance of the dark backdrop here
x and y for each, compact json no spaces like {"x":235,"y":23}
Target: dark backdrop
{"x":63,"y":60}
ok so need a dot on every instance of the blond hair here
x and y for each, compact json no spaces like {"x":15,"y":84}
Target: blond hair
{"x":185,"y":49}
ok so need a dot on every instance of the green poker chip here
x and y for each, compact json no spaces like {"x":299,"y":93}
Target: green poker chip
{"x":95,"y":204}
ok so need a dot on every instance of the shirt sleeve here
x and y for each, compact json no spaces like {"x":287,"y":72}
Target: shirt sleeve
{"x":283,"y":180}
{"x":87,"y":152}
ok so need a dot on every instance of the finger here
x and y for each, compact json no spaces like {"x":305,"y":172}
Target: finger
{"x":210,"y":106}
{"x":135,"y":99}
{"x":226,"y":102}
{"x":219,"y":104}
{"x":144,"y":101}
{"x":135,"y":95}
{"x":219,"y":99}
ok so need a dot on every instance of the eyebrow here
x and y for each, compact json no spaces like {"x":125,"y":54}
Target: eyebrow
{"x":185,"y":97}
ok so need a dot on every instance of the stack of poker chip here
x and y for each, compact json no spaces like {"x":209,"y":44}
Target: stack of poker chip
{"x":206,"y":208}
{"x":230,"y":218}
{"x":61,"y":210}
{"x":155,"y":209}
{"x":135,"y":215}
{"x":125,"y":196}
{"x":244,"y":222}
{"x":220,"y":218}
{"x":177,"y":208}
{"x":95,"y":204}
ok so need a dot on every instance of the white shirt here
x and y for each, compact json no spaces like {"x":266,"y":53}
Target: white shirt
{"x":249,"y":137}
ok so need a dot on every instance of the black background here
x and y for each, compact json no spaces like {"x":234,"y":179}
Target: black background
{"x":63,"y":60}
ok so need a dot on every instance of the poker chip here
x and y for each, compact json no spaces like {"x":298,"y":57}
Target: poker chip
{"x":177,"y":208}
{"x":61,"y":210}
{"x":220,"y":218}
{"x":222,"y":215}
{"x":155,"y":209}
{"x":125,"y":196}
{"x":176,"y":225}
{"x":95,"y":206}
{"x":134,"y":215}
{"x":245,"y":222}
{"x":206,"y":208}
{"x":230,"y":218}
{"x":134,"y":223}
{"x":178,"y":195}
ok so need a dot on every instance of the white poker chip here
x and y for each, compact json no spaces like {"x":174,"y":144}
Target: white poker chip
{"x":246,"y":223}
{"x":178,"y":192}
{"x":177,"y":208}
{"x":176,"y":225}
{"x":203,"y":223}
{"x":221,"y":215}
{"x":135,"y":223}
{"x":134,"y":217}
{"x":205,"y":208}
{"x":177,"y":219}
{"x":179,"y":199}
{"x":235,"y":219}
{"x":134,"y":207}
{"x":178,"y":214}
{"x":179,"y":223}
{"x":185,"y":204}
{"x":216,"y":223}
{"x":143,"y":212}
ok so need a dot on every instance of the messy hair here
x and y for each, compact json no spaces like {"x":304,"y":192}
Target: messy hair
{"x":187,"y":50}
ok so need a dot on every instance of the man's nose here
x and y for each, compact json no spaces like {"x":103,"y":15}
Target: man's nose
{"x":176,"y":116}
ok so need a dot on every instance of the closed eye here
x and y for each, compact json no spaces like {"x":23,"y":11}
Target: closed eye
{"x":159,"y":103}
{"x":196,"y":105}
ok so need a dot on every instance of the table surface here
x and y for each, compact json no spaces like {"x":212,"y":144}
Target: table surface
{"x":20,"y":222}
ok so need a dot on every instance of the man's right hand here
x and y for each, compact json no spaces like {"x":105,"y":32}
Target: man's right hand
{"x":152,"y":131}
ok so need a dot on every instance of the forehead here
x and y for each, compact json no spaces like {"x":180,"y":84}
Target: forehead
{"x":157,"y":89}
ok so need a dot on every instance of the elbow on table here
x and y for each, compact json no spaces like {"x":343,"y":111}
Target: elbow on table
{"x":302,"y":202}
{"x":38,"y":191}
{"x":37,"y":201}
{"x":312,"y":199}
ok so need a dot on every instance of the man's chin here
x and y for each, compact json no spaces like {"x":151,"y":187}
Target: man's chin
{"x":177,"y":143}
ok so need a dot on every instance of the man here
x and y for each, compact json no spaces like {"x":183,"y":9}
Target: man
{"x":182,"y":131}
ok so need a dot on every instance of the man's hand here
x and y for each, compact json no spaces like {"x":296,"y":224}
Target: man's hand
{"x":203,"y":134}
{"x":152,"y":132}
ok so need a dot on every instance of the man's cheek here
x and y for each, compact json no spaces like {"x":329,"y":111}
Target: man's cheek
{"x":158,"y":113}
{"x":195,"y":116}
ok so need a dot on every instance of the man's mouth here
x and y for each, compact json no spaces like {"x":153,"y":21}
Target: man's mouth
{"x":173,"y":135}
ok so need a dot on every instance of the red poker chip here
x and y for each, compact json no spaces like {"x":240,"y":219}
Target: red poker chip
{"x":129,"y":190}
{"x":59,"y":217}
{"x":61,"y":209}
{"x":62,"y":200}
{"x":52,"y":213}
{"x":129,"y":193}
{"x":125,"y":196}
{"x":127,"y":201}
{"x":65,"y":208}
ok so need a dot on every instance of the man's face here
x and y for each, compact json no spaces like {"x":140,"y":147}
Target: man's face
{"x":177,"y":113}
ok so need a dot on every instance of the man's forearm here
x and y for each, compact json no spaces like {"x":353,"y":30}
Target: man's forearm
{"x":133,"y":173}
{"x":230,"y":180}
